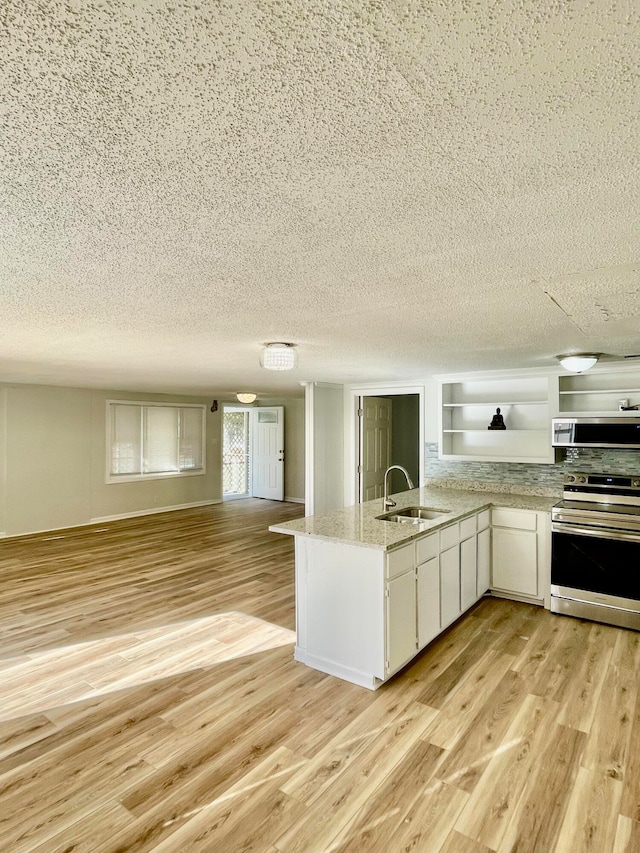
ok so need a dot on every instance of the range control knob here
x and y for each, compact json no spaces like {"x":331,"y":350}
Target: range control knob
{"x":570,"y":478}
{"x":582,"y":479}
{"x":636,"y":483}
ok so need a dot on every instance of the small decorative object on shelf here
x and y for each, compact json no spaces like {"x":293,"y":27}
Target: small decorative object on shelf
{"x":497,"y":421}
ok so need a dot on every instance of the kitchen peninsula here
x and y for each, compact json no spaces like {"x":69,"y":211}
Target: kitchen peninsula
{"x":370,"y":594}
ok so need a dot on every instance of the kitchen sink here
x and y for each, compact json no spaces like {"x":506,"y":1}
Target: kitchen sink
{"x":412,"y":514}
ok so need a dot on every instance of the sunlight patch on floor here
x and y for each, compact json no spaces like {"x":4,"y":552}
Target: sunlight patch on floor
{"x":44,"y":680}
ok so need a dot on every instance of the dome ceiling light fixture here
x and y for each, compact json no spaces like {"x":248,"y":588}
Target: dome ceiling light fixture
{"x":279,"y":356}
{"x":578,"y":363}
{"x":246,"y":398}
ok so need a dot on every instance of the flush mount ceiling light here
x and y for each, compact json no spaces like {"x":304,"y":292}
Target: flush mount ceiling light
{"x":279,"y":356}
{"x":246,"y":398}
{"x":578,"y":363}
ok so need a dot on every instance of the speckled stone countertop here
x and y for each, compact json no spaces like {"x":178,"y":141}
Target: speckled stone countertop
{"x":358,"y":525}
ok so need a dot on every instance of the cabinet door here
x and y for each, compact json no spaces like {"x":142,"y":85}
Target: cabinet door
{"x":484,"y":561}
{"x":428,"y":601}
{"x":468,"y":572}
{"x":401,"y":620}
{"x":449,"y":585}
{"x":515,"y":560}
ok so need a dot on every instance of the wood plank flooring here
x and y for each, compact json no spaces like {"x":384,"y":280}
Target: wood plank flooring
{"x":149,"y":701}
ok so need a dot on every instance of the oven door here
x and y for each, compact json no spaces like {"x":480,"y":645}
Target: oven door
{"x":595,"y":574}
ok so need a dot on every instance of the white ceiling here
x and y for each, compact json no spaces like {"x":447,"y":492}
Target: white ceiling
{"x":400,"y":188}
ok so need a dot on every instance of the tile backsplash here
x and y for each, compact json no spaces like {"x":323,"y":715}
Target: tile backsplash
{"x":526,"y":474}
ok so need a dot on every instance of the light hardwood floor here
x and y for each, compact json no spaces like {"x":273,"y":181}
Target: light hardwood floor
{"x":149,"y":701}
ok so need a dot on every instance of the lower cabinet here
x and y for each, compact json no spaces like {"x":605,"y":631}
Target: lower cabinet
{"x":449,"y":585}
{"x":363,"y":613}
{"x":460,"y":564}
{"x":401,"y":637}
{"x":484,"y":561}
{"x":515,"y":561}
{"x":468,"y":572}
{"x":428,"y":578}
{"x":520,"y":553}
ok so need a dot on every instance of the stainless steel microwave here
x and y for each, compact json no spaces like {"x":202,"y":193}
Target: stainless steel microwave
{"x":621,"y":432}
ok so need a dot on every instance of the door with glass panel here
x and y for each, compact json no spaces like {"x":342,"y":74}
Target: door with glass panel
{"x":235,"y":453}
{"x":267,"y":452}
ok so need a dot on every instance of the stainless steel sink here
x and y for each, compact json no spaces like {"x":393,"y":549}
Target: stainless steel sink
{"x":412,"y":514}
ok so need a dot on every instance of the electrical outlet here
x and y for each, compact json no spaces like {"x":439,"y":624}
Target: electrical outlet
{"x":156,"y":499}
{"x":623,"y":404}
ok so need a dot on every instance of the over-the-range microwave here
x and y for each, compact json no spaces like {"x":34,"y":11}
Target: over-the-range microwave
{"x":623,"y":432}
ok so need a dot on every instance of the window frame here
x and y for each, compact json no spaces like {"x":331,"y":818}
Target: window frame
{"x":111,"y":478}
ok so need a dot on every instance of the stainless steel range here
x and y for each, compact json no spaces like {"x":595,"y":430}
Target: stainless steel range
{"x":595,"y":549}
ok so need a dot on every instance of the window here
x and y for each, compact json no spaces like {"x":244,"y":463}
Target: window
{"x":146,"y":440}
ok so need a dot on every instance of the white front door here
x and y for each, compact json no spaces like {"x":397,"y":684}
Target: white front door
{"x":267,"y":458}
{"x":375,"y":446}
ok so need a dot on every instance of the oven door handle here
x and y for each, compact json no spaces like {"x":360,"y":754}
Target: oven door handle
{"x":596,"y":532}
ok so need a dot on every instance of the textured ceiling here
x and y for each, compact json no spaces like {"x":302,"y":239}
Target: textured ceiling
{"x":401,"y":188}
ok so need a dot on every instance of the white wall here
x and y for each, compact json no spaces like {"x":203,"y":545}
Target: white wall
{"x":53,"y":471}
{"x":324,"y":456}
{"x":431,"y":434}
{"x":3,"y":459}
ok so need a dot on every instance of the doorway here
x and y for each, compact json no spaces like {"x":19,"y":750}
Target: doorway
{"x":253,"y":452}
{"x":389,"y":430}
{"x":407,"y":434}
{"x":236,"y":457}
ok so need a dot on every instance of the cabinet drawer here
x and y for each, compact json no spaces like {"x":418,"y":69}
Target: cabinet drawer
{"x":484,"y":518}
{"x":518,"y":518}
{"x":467,"y":527}
{"x":400,"y":560}
{"x":449,"y":536}
{"x":427,"y":548}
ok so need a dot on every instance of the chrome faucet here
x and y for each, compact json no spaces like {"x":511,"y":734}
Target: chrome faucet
{"x":387,"y":503}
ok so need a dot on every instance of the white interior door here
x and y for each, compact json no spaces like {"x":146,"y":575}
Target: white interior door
{"x":267,"y":452}
{"x":375,"y":446}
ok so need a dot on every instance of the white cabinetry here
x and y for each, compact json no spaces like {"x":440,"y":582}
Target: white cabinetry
{"x":428,"y":581}
{"x":515,"y":561}
{"x":400,"y":608}
{"x":468,"y":572}
{"x":520,"y":553}
{"x":428,"y":601}
{"x":401,"y":621}
{"x":459,"y":588}
{"x":449,"y":585}
{"x":467,"y":406}
{"x":363,"y":613}
{"x":484,"y":561}
{"x":599,"y":391}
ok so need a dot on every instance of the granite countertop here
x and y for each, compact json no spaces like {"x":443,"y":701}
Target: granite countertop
{"x":357,"y":525}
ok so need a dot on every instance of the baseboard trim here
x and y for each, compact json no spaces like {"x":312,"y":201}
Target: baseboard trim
{"x":294,"y":500}
{"x":346,"y":673}
{"x":153,"y":511}
{"x":102,"y":520}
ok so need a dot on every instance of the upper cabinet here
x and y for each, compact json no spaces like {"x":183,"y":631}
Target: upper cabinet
{"x":527,"y":402}
{"x":467,"y":407}
{"x":599,"y":391}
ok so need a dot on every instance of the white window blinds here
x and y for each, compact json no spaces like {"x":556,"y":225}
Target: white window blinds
{"x":147,"y":440}
{"x":161,"y":425}
{"x":126,"y":440}
{"x":190,"y":439}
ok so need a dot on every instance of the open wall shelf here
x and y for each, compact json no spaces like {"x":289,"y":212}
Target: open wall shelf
{"x":467,"y":407}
